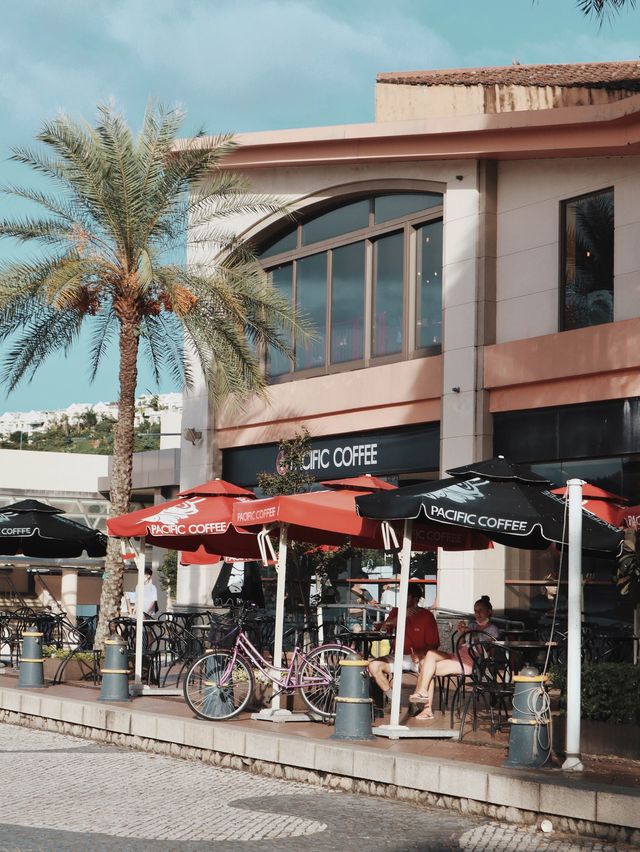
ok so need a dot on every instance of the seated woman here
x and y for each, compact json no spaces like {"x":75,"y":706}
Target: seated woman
{"x":438,"y":664}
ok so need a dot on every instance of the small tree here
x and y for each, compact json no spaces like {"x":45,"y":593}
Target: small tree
{"x":168,"y":573}
{"x":306,"y":560}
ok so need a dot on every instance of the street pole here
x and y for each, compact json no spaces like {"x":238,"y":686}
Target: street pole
{"x":574,"y":627}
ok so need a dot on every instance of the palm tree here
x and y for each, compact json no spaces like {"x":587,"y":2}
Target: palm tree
{"x":112,"y":245}
{"x":603,"y":8}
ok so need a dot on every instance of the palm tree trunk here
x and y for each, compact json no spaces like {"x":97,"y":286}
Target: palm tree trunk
{"x":122,"y":465}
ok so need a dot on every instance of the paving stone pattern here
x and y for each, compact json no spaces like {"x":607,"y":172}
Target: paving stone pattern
{"x":61,"y":793}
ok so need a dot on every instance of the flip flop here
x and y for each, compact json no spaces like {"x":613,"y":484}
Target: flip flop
{"x":425,"y":714}
{"x":418,"y":698}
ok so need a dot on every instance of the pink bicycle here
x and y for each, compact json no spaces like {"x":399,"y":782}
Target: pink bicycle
{"x":221,"y":683}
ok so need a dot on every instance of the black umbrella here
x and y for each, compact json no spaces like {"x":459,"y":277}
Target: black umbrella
{"x":32,"y":528}
{"x":506,"y":502}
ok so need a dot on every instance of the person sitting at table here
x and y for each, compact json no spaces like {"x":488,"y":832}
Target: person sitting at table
{"x":357,"y":594}
{"x":440,"y":664}
{"x":420,"y":637}
{"x":149,"y":596}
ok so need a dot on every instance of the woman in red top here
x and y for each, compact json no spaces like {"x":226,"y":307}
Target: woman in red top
{"x":420,"y":636}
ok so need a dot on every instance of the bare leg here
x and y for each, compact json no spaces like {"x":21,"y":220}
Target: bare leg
{"x":442,"y":667}
{"x":427,"y":670}
{"x":379,"y":671}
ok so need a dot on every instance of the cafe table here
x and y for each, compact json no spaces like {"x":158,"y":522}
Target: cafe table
{"x":526,"y":652}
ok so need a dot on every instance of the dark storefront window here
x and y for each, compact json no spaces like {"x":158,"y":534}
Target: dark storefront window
{"x":587,"y":261}
{"x":597,"y":442}
{"x":357,"y":259}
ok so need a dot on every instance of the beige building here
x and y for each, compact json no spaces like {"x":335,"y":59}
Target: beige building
{"x":471,"y":262}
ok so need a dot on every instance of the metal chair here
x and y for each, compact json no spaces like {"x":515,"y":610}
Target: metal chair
{"x":490,"y":680}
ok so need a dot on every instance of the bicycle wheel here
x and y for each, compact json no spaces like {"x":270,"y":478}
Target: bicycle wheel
{"x":323,"y":661}
{"x":217,"y":687}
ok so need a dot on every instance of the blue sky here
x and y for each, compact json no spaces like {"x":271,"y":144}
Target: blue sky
{"x":243,"y":65}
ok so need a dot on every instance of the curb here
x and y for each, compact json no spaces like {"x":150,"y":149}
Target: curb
{"x":516,"y":796}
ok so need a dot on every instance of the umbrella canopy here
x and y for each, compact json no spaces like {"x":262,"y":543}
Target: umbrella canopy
{"x":32,"y":528}
{"x":201,"y":517}
{"x":606,"y":505}
{"x":330,"y":517}
{"x":499,"y":469}
{"x":518,"y":512}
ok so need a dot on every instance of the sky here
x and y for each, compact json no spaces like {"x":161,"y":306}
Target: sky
{"x":243,"y":65}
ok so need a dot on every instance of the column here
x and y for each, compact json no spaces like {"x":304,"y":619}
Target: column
{"x":69,"y":593}
{"x":469,"y":298}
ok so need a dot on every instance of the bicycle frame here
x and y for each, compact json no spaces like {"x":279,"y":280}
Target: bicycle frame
{"x":290,"y":675}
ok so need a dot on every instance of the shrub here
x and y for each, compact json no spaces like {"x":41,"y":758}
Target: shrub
{"x":610,"y":691}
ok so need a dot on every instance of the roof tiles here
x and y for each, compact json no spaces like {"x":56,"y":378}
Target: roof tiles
{"x":601,"y":75}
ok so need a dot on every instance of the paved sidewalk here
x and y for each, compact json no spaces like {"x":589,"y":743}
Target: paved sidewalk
{"x":174,"y":805}
{"x":468,"y":777}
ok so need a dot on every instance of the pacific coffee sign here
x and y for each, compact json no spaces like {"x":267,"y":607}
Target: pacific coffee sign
{"x":387,"y":452}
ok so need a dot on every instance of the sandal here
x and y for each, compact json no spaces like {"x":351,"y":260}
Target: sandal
{"x":419,"y":698}
{"x":425,"y":713}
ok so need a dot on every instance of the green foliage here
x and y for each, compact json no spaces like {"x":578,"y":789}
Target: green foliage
{"x":293,"y":479}
{"x":602,"y":9}
{"x":168,"y":572}
{"x":610,"y":691}
{"x":51,"y":652}
{"x":95,"y":438}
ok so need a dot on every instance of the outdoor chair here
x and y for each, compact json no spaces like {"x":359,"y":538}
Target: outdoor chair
{"x":490,"y":681}
{"x":78,"y":638}
{"x":153,"y":637}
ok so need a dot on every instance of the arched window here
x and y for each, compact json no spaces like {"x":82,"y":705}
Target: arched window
{"x":368,"y":274}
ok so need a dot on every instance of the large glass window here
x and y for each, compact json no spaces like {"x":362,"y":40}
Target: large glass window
{"x":311,"y":302}
{"x":388,"y":295}
{"x":587,"y":263}
{"x":347,"y":303}
{"x":367,"y":275}
{"x":429,"y":286}
{"x":282,"y":280}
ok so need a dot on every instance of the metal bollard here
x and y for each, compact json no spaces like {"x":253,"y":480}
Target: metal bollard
{"x":115,"y":674}
{"x":31,"y":665}
{"x":529,"y":737}
{"x":353,"y":704}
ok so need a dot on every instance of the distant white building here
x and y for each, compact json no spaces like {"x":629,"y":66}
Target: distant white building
{"x":149,"y":409}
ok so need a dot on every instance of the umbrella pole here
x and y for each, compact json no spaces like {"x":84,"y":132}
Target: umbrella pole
{"x":319,"y":622}
{"x":574,"y":626}
{"x":396,"y":690}
{"x":140,"y":561}
{"x":280,"y":595}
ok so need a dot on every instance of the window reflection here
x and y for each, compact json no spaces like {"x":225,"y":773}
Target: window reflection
{"x":588,"y":260}
{"x":347,"y":304}
{"x":350,"y":217}
{"x":286,"y":243}
{"x":387,"y":207}
{"x":311,"y":302}
{"x":282,"y":280}
{"x":388,"y":295}
{"x":429,"y":286}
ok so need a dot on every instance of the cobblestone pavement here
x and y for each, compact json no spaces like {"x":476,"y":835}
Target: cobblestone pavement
{"x":62,"y":793}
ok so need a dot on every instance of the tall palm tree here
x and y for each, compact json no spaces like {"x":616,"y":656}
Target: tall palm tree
{"x":112,"y":234}
{"x":603,"y":8}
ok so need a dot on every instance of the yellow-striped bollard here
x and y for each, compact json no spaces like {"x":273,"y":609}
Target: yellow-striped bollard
{"x":115,"y":671}
{"x":353,"y":704}
{"x":31,"y":665}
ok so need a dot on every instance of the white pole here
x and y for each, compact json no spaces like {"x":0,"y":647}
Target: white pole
{"x":396,"y":691}
{"x":280,"y":593}
{"x":320,"y":623}
{"x":139,"y":613}
{"x":574,"y":626}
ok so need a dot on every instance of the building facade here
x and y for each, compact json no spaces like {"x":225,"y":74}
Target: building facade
{"x":470,"y":262}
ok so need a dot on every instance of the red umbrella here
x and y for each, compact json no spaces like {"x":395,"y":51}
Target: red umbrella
{"x":603,"y":504}
{"x":330,"y":517}
{"x":200,"y":517}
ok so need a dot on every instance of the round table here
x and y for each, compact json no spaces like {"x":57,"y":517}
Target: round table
{"x":529,"y":651}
